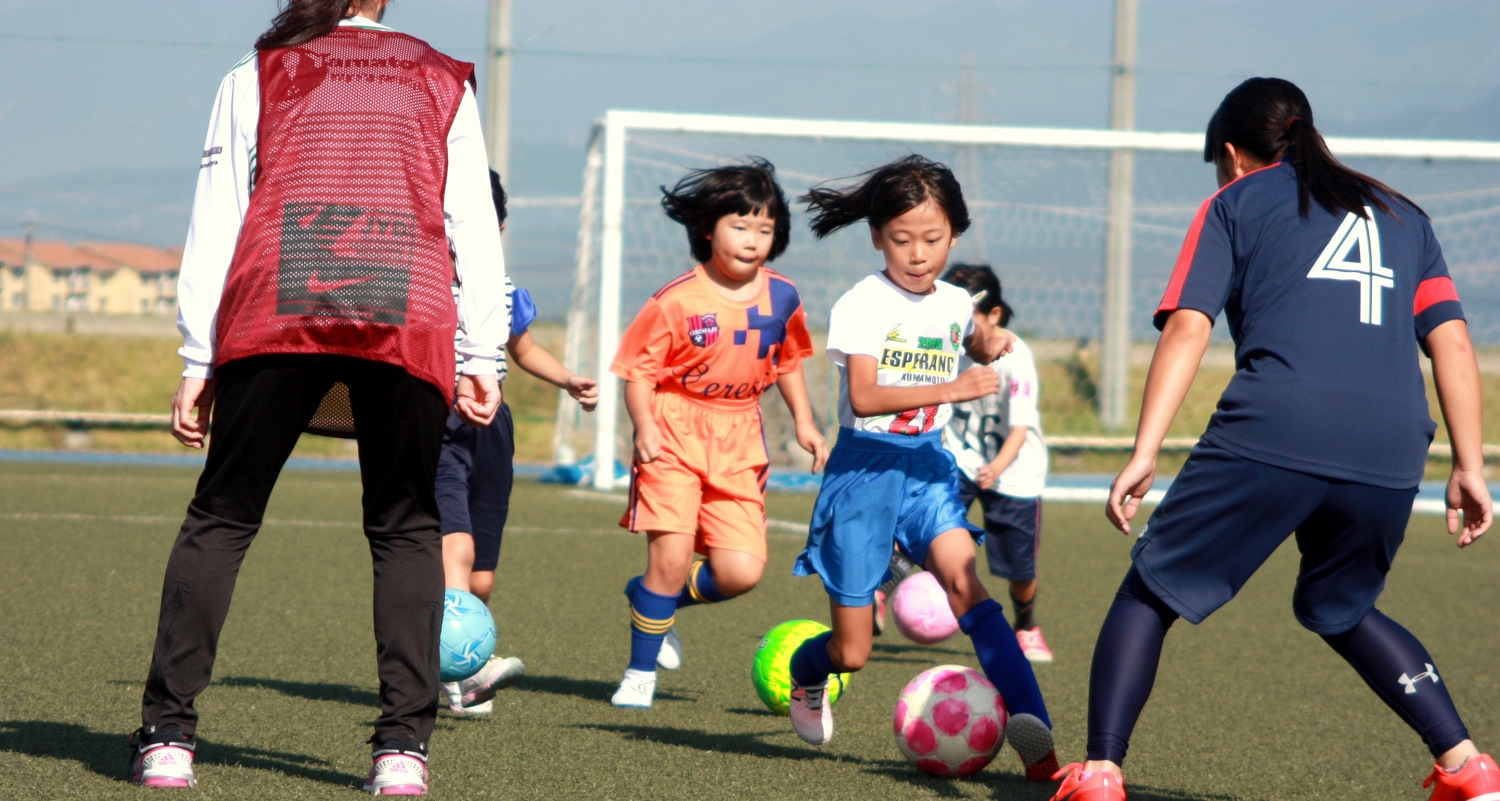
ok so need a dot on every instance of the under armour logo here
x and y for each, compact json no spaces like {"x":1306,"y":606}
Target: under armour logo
{"x":1410,"y":682}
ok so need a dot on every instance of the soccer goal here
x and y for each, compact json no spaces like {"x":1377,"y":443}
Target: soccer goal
{"x":1083,"y":227}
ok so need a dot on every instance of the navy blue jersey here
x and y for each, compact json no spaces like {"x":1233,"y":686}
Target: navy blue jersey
{"x":1326,"y":313}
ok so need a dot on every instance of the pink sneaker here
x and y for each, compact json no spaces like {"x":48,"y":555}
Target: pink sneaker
{"x":1033,"y":646}
{"x":879,"y":613}
{"x":397,"y":771}
{"x":161,"y":759}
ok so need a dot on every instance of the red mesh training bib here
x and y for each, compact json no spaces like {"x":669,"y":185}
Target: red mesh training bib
{"x":343,"y":249}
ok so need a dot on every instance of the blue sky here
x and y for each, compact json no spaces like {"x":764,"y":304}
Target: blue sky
{"x":104,"y":106}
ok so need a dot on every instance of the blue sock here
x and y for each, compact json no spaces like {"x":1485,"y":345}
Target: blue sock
{"x":811,"y":663}
{"x":1000,"y":656}
{"x":1124,"y":670}
{"x":700,"y":587}
{"x":1399,"y":670}
{"x":651,"y":615}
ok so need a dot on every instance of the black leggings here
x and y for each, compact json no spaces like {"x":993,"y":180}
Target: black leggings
{"x":261,"y":406}
{"x":1390,"y":660}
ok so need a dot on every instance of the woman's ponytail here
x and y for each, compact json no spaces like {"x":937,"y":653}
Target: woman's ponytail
{"x":887,"y":192}
{"x":301,"y":21}
{"x":1270,"y":119}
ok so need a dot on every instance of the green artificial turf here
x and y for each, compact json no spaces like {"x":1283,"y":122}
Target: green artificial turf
{"x":1248,"y":706}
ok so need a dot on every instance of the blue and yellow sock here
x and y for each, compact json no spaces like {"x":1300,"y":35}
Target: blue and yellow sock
{"x":700,"y":587}
{"x":811,"y":663}
{"x":1000,"y":656}
{"x":651,"y":614}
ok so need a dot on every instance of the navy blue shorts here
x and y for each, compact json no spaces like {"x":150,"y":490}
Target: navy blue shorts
{"x":1012,"y":530}
{"x":474,"y":477}
{"x":879,"y":490}
{"x":1225,"y":515}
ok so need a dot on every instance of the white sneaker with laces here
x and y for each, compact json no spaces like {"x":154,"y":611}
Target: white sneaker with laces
{"x":670,"y":655}
{"x":812,"y":715}
{"x":637,"y":689}
{"x":497,"y":674}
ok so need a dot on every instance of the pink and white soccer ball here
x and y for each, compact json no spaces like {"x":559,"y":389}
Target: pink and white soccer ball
{"x":920,"y":607}
{"x":950,"y":721}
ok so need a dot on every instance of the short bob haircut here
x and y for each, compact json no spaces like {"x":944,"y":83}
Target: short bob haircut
{"x":703,"y":197}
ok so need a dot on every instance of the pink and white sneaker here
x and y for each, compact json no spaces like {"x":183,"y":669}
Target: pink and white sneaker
{"x":811,"y":713}
{"x":1033,"y":646}
{"x":161,"y":759}
{"x":397,"y":771}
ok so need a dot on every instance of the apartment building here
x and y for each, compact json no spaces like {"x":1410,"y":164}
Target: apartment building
{"x":98,"y":277}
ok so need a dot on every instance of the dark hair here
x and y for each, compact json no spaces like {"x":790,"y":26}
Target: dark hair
{"x":300,"y":21}
{"x":1270,"y":118}
{"x":980,"y":278}
{"x":498,"y":193}
{"x":703,"y":197}
{"x":887,"y":192}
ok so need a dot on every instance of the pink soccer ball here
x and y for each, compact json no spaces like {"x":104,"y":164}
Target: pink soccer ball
{"x":950,"y":721}
{"x":920,"y":607}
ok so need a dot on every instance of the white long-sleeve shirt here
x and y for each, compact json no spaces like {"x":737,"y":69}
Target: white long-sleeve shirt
{"x":225,"y":182}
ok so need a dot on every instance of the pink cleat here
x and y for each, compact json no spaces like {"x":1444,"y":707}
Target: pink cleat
{"x":397,"y":771}
{"x":1033,"y":646}
{"x":161,"y":759}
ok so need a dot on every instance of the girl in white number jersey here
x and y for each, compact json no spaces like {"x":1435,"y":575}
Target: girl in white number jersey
{"x":897,"y":338}
{"x":1002,"y":459}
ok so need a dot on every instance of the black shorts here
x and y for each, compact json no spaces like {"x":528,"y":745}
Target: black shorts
{"x":1012,"y":530}
{"x":474,"y":476}
{"x":1225,"y":515}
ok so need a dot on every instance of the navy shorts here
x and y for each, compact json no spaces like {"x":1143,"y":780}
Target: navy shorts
{"x":1225,"y":515}
{"x":474,"y":477}
{"x":879,"y":491}
{"x":1012,"y":530}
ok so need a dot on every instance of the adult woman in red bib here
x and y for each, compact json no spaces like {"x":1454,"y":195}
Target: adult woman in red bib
{"x":344,"y":187}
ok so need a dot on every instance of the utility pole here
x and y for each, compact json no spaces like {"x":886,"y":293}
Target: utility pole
{"x":497,"y":110}
{"x":1114,"y":355}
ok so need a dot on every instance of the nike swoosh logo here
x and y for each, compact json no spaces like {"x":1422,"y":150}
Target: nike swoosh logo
{"x":315,"y":286}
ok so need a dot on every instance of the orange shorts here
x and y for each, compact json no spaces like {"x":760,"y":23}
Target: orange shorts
{"x":710,"y":480}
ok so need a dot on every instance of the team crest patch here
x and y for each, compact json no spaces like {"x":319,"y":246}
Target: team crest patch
{"x":955,"y":334}
{"x":703,"y":329}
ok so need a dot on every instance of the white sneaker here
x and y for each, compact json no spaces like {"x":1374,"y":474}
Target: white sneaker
{"x":496,"y":675}
{"x":637,"y":689}
{"x":812,"y":715}
{"x":1033,"y":742}
{"x":397,"y":772}
{"x":670,"y":655}
{"x":480,"y":709}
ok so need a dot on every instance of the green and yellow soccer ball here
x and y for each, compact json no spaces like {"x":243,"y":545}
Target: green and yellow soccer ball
{"x":772,"y":672}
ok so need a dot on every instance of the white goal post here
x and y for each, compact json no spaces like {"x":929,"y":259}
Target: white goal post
{"x":605,"y":211}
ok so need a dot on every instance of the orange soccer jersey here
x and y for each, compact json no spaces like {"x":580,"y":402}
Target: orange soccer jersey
{"x":694,"y":345}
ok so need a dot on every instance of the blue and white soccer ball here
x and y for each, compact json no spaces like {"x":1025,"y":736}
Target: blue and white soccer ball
{"x":468,"y":639}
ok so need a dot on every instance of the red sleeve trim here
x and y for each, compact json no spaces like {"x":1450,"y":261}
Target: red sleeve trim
{"x":1185,"y":256}
{"x":1432,"y":292}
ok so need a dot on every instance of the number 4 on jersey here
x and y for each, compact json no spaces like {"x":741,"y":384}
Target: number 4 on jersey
{"x":1360,"y":238}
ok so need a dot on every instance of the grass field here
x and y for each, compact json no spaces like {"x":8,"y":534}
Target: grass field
{"x":1248,"y":706}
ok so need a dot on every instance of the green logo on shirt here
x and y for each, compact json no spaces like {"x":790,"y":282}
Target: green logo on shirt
{"x":955,"y":334}
{"x":930,"y":343}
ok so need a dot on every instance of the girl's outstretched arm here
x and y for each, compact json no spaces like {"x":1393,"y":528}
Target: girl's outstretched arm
{"x":1455,"y":371}
{"x":793,"y":388}
{"x":535,"y":359}
{"x":1183,"y":340}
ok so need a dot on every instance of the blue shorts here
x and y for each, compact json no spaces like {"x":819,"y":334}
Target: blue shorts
{"x":1225,"y":515}
{"x":879,"y":491}
{"x":1012,"y":530}
{"x":474,"y":475}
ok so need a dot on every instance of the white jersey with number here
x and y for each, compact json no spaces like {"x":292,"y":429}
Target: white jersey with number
{"x":914,"y":339}
{"x":979,"y":427}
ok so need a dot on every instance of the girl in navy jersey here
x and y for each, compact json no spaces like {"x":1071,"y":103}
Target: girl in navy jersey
{"x":1330,"y":282}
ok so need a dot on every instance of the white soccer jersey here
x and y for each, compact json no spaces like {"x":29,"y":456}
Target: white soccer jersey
{"x":226,"y":181}
{"x":915,"y":340}
{"x":979,"y":427}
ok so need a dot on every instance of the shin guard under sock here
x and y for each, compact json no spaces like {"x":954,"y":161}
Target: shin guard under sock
{"x":1000,"y":656}
{"x":1124,"y":669}
{"x":700,"y":588}
{"x":811,"y":663}
{"x":651,"y":614}
{"x":1396,"y":666}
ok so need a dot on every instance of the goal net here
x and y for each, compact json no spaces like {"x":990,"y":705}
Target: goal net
{"x":1041,"y":205}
